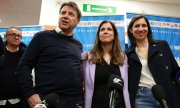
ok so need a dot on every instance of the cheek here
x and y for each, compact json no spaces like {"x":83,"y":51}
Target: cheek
{"x":134,"y":29}
{"x":60,"y":17}
{"x":59,"y":20}
{"x":100,"y":33}
{"x":146,"y":29}
{"x":112,"y":33}
{"x":113,"y":38}
{"x":100,"y":37}
{"x":72,"y":19}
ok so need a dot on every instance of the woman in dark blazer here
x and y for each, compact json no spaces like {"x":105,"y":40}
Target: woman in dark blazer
{"x":150,"y":63}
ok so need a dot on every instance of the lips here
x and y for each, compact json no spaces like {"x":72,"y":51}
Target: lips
{"x":141,"y":33}
{"x":64,"y":22}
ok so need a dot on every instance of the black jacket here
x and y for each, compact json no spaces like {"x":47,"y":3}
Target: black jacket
{"x":2,"y":47}
{"x":163,"y":67}
{"x":9,"y":85}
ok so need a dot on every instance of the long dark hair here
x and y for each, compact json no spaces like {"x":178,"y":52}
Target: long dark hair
{"x":116,"y":52}
{"x":130,"y":35}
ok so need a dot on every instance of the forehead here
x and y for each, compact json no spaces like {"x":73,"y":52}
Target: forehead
{"x":106,"y":25}
{"x":69,"y":9}
{"x":14,"y":30}
{"x":139,"y":21}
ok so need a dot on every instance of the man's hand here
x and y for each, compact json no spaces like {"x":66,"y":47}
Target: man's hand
{"x":33,"y":100}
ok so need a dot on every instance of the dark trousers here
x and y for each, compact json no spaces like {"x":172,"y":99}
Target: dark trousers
{"x":70,"y":102}
{"x":9,"y":105}
{"x":66,"y":101}
{"x":62,"y":102}
{"x":24,"y":103}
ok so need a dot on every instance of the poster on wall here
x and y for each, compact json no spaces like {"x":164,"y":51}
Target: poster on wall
{"x":165,"y":28}
{"x":86,"y":30}
{"x":27,"y":32}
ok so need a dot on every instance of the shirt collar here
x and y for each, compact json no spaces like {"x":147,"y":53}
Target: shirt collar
{"x":59,"y":31}
{"x":16,"y":50}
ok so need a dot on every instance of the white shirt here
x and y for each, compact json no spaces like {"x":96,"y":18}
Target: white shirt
{"x":12,"y":101}
{"x":58,"y":30}
{"x":146,"y":79}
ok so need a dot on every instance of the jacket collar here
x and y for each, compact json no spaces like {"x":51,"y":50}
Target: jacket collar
{"x":131,"y":53}
{"x":153,"y":47}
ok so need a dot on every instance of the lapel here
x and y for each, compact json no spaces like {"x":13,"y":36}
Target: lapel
{"x":152,"y":49}
{"x":91,"y":71}
{"x":122,"y":72}
{"x":89,"y":68}
{"x":132,"y":54}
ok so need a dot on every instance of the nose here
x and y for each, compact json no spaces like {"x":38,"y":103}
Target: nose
{"x":65,"y":15}
{"x":141,"y":28}
{"x":106,"y":30}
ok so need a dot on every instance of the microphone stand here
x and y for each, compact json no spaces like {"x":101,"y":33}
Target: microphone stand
{"x":112,"y":99}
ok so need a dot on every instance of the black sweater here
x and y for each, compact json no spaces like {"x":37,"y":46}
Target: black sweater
{"x":56,"y":59}
{"x":9,"y":85}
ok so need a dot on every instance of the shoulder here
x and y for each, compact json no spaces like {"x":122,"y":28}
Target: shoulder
{"x":22,"y":46}
{"x":130,"y":49}
{"x":77,"y":41}
{"x":125,"y":59}
{"x":45,"y":32}
{"x":85,"y":55}
{"x":160,"y":42}
{"x":41,"y":35}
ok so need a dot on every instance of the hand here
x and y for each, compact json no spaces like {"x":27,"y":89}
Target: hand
{"x":33,"y":100}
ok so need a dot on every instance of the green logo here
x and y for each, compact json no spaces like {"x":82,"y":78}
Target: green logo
{"x":99,"y":9}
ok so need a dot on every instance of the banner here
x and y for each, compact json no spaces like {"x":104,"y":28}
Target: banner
{"x":86,"y":30}
{"x":165,"y":28}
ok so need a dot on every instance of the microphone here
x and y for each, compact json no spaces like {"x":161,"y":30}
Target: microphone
{"x":160,"y":95}
{"x":115,"y":85}
{"x":50,"y":101}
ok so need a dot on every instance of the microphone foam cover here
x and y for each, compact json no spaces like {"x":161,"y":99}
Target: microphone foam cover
{"x":52,"y":100}
{"x":115,"y":82}
{"x":158,"y":92}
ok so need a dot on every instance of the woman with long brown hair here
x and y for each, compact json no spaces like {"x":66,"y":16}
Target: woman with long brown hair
{"x":104,"y":60}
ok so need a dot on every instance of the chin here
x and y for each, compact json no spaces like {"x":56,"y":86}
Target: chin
{"x":106,"y":42}
{"x":63,"y":26}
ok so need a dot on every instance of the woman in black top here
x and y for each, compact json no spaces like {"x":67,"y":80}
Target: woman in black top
{"x":103,"y":61}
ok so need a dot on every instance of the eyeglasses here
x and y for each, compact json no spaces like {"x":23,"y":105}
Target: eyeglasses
{"x":14,"y":35}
